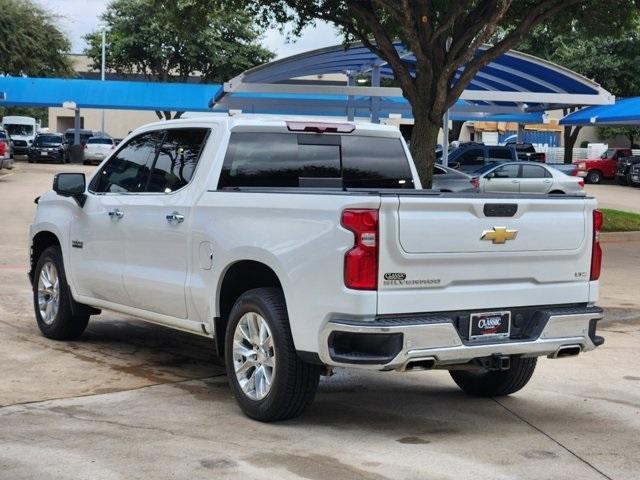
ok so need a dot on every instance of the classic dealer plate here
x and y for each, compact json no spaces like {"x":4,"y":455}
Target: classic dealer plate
{"x":489,"y":325}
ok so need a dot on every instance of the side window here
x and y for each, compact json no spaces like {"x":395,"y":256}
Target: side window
{"x":177,"y":159}
{"x":276,"y":160}
{"x":534,"y":171}
{"x":374,"y":162}
{"x":507,"y":171}
{"x":128,"y":170}
{"x":500,"y":154}
{"x":473,"y":156}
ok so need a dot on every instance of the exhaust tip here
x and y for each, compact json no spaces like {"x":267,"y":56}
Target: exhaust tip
{"x":420,"y":364}
{"x":567,"y":351}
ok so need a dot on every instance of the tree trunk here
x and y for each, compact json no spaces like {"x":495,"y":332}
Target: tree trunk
{"x":570,"y":138}
{"x":424,"y":140}
{"x":456,"y":128}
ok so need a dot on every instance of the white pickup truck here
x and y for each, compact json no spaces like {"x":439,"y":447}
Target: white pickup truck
{"x":301,"y":246}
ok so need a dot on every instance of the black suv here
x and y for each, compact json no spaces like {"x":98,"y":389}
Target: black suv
{"x":47,"y":146}
{"x":470,"y":156}
{"x":623,"y":171}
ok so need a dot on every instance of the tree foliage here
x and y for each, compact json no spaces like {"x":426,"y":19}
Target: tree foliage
{"x":30,"y":42}
{"x":173,"y":41}
{"x":631,"y":133}
{"x":612,"y":59}
{"x":445,"y":37}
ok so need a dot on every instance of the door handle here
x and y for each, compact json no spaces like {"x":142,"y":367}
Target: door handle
{"x":175,"y":217}
{"x":117,"y":214}
{"x":515,"y":181}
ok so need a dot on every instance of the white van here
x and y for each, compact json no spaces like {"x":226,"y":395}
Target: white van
{"x":23,"y":131}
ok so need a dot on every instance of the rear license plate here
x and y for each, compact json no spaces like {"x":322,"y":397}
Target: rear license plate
{"x":44,"y":153}
{"x":489,"y":325}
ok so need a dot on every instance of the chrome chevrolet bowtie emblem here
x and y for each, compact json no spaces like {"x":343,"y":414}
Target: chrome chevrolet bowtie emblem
{"x":499,"y":235}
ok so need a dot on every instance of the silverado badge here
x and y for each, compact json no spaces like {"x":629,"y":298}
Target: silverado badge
{"x":499,"y":235}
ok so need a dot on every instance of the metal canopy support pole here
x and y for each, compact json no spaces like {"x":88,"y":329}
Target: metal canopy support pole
{"x":445,"y":140}
{"x":102,"y":72}
{"x":350,"y":109}
{"x":520,"y":137}
{"x":76,"y":127}
{"x":375,"y":101}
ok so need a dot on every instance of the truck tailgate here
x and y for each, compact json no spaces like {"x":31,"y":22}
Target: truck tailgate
{"x":447,"y":253}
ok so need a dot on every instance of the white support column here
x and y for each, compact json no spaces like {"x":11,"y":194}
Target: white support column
{"x":375,"y":101}
{"x":445,"y":140}
{"x":350,"y":108}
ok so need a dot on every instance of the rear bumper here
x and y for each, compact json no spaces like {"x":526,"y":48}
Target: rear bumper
{"x":392,"y":342}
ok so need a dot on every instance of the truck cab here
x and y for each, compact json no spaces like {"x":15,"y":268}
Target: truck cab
{"x":594,"y":170}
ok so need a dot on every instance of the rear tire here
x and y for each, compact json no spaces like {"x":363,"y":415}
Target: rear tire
{"x":496,"y":383}
{"x":594,"y":176}
{"x":263,"y":350}
{"x":52,"y":300}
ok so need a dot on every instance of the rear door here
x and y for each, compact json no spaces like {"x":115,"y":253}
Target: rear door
{"x":535,"y":179}
{"x":471,"y":253}
{"x":157,"y":231}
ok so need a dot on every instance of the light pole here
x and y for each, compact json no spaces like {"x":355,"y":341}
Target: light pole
{"x":104,"y":31}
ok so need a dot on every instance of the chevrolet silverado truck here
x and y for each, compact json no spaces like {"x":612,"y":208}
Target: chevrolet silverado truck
{"x":594,"y":170}
{"x":298,"y":247}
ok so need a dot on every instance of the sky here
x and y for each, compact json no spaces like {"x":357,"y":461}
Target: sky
{"x":79,"y":17}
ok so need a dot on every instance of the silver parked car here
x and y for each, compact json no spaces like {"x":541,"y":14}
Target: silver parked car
{"x":527,"y":177}
{"x":447,"y":179}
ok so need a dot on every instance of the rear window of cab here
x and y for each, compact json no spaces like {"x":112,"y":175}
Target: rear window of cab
{"x":264,"y":159}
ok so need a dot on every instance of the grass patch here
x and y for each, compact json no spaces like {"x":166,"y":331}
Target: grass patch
{"x":619,"y":221}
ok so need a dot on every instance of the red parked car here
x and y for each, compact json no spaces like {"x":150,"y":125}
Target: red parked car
{"x":595,"y":169}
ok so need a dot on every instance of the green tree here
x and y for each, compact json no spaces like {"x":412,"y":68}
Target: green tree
{"x":612,"y":60}
{"x":632,"y":133}
{"x":444,"y":37}
{"x":173,"y":41}
{"x":30,"y":42}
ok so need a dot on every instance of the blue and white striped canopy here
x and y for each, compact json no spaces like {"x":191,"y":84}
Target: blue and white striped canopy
{"x":513,"y":83}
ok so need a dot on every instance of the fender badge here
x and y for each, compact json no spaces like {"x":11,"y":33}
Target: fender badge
{"x":76,"y":244}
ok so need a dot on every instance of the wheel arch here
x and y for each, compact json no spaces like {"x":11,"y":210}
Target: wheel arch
{"x":40,"y":242}
{"x":239,"y":277}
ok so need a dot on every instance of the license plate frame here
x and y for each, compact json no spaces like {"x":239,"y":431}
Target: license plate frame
{"x":489,"y":330}
{"x":44,"y":153}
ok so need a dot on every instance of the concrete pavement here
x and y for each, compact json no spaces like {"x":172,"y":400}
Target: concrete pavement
{"x":614,"y":196}
{"x":133,"y":400}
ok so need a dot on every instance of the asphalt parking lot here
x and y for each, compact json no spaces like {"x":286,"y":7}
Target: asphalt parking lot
{"x":133,"y":400}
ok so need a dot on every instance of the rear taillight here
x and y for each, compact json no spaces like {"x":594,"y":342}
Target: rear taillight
{"x":361,"y":262}
{"x":596,"y":251}
{"x":542,"y":157}
{"x":3,"y":147}
{"x":581,"y":183}
{"x":475,"y":182}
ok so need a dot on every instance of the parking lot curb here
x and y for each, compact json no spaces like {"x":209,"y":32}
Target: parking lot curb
{"x":614,"y":237}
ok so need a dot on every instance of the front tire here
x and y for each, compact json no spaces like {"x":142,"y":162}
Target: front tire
{"x":267,"y":377}
{"x":52,"y":299}
{"x":496,"y":383}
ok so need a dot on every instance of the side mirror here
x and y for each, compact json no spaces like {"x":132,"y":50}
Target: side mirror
{"x":490,"y":175}
{"x":71,"y":185}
